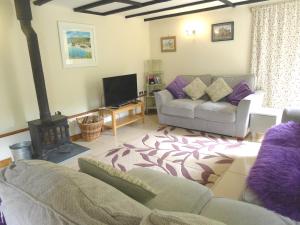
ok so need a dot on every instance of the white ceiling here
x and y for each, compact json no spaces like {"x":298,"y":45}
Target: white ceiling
{"x":77,"y":3}
{"x":113,"y":6}
{"x":169,"y":4}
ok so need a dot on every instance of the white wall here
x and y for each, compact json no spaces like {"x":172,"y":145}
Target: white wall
{"x":10,"y":140}
{"x":122,"y":46}
{"x":197,"y":54}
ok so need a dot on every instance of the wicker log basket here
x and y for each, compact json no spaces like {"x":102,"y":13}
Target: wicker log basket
{"x":91,"y":127}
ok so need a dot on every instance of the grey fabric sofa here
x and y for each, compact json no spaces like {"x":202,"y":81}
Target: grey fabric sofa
{"x":181,"y":195}
{"x":215,"y":117}
{"x":43,"y":193}
{"x":291,"y":114}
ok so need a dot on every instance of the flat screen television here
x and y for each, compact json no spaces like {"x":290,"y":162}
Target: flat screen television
{"x":120,"y":90}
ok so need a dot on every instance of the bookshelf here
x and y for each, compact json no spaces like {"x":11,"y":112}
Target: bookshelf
{"x":153,"y":82}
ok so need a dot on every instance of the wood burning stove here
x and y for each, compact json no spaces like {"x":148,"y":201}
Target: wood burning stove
{"x":49,"y":134}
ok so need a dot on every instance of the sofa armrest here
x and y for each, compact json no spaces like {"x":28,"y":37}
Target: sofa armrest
{"x":291,"y":114}
{"x":161,"y":98}
{"x":169,"y":217}
{"x":256,"y":99}
{"x":244,"y":109}
{"x":232,"y":212}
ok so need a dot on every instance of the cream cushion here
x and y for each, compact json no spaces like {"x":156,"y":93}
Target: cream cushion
{"x":128,"y":184}
{"x":158,"y":217}
{"x":196,"y":89}
{"x":218,"y":90}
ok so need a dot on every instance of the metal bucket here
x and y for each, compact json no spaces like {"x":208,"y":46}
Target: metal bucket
{"x":21,"y":150}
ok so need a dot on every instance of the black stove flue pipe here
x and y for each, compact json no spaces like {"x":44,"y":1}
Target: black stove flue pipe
{"x":24,"y":15}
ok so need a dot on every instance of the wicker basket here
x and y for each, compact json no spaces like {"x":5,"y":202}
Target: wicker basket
{"x":90,"y":131}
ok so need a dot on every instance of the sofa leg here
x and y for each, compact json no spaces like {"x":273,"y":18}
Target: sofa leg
{"x":240,"y":138}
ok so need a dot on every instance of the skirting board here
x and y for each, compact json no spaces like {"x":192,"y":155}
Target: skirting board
{"x":76,"y":137}
{"x":23,"y":135}
{"x":26,"y":129}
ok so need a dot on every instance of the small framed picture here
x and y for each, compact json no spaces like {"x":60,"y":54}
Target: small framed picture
{"x":168,"y":44}
{"x":222,"y":32}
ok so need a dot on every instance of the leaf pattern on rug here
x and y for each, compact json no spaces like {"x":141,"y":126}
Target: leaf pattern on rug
{"x":194,"y":155}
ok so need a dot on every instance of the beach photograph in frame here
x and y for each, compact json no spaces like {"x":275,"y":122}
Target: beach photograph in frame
{"x":222,"y":32}
{"x":77,"y":44}
{"x":168,"y":44}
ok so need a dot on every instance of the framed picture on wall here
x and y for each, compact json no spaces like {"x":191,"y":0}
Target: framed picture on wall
{"x":168,"y":44}
{"x":222,"y":32}
{"x":77,"y":42}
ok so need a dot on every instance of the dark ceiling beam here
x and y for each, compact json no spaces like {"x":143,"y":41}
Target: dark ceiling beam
{"x":134,"y":7}
{"x":91,"y":12}
{"x":203,"y":10}
{"x":92,"y":5}
{"x":185,"y":13}
{"x":129,"y":2}
{"x":41,"y":2}
{"x":226,"y":2}
{"x":169,"y":8}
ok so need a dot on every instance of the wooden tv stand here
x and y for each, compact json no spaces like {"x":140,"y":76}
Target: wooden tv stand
{"x":132,"y":116}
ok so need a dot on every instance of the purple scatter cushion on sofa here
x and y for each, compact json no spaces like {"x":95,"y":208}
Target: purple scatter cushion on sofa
{"x":240,"y":91}
{"x":275,"y":176}
{"x":176,"y":86}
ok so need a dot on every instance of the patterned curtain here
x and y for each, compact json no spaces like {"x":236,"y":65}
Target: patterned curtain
{"x":276,"y":52}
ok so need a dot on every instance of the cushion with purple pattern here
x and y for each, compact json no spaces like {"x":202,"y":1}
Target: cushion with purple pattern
{"x":240,"y":91}
{"x":275,"y":176}
{"x":176,"y":87}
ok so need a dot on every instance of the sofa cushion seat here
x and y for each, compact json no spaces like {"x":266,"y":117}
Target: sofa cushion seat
{"x":181,"y":107}
{"x":222,"y":112}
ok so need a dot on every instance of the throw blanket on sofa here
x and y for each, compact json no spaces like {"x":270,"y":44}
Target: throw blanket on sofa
{"x":275,"y":177}
{"x":2,"y":219}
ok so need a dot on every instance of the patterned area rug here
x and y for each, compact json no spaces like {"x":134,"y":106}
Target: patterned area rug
{"x":194,"y":155}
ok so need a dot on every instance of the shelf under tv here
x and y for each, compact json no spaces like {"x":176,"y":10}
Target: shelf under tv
{"x":133,"y":115}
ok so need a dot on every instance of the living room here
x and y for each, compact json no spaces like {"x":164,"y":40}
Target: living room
{"x":220,"y":102}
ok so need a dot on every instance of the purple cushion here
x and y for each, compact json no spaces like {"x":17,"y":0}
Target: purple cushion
{"x":176,"y":86}
{"x":2,"y":219}
{"x":275,"y":176}
{"x":240,"y":91}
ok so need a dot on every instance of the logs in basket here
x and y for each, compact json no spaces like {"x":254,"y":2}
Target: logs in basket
{"x":90,"y":126}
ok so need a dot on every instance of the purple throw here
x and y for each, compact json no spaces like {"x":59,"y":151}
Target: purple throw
{"x":275,"y":176}
{"x":2,"y":219}
{"x":176,"y":86}
{"x":240,"y":91}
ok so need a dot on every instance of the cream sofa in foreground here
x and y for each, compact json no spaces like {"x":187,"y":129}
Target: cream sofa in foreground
{"x":42,"y":193}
